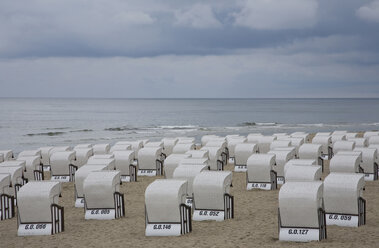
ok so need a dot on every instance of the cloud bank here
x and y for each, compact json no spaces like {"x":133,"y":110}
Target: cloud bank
{"x":216,"y":48}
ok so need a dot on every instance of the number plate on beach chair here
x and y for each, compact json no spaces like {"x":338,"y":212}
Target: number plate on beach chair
{"x":34,"y":229}
{"x":299,"y":234}
{"x":240,"y":168}
{"x":100,"y":214}
{"x":264,"y":186}
{"x":149,"y":173}
{"x":200,"y":215}
{"x":163,"y":229}
{"x":342,"y":220}
{"x":125,"y":178}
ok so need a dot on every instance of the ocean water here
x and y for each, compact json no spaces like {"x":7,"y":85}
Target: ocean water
{"x":31,"y":123}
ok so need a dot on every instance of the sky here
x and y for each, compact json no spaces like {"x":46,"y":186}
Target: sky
{"x":189,"y":49}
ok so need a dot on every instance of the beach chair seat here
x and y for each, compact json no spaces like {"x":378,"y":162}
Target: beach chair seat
{"x":280,"y":144}
{"x":337,"y":137}
{"x":169,"y":144}
{"x":344,"y":204}
{"x":306,"y":162}
{"x":109,"y":161}
{"x":102,"y":156}
{"x":291,"y":149}
{"x":29,"y":153}
{"x":101,"y":149}
{"x":155,"y":145}
{"x":181,"y":148}
{"x":60,"y":149}
{"x":326,"y":145}
{"x":136,"y":146}
{"x":373,"y":140}
{"x":195,"y":161}
{"x":124,"y":163}
{"x":360,"y":142}
{"x":264,"y":143}
{"x":377,"y":154}
{"x":7,"y":155}
{"x":150,"y":161}
{"x":323,"y":134}
{"x":304,"y":135}
{"x":281,"y":158}
{"x":312,"y":151}
{"x":346,"y":164}
{"x":343,"y":145}
{"x":118,"y":147}
{"x":188,"y":172}
{"x":215,"y":158}
{"x":301,"y":215}
{"x":7,"y":208}
{"x":171,"y":162}
{"x":17,"y":163}
{"x":82,"y":146}
{"x":198,"y":153}
{"x":33,"y":168}
{"x":253,"y":138}
{"x":351,"y":136}
{"x":102,"y":197}
{"x":46,"y":153}
{"x":212,"y":199}
{"x":232,"y":142}
{"x":369,"y":162}
{"x":17,"y":178}
{"x":206,"y":138}
{"x":260,"y":172}
{"x":45,"y":156}
{"x":80,"y":175}
{"x":368,"y":134}
{"x":303,"y":173}
{"x":82,"y":155}
{"x":242,"y":152}
{"x":62,"y":166}
{"x":296,"y":142}
{"x":278,"y":135}
{"x":184,"y":140}
{"x":166,"y":213}
{"x":38,"y":210}
{"x":220,"y":142}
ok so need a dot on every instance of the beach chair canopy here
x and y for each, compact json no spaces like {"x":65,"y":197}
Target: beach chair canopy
{"x":163,"y":198}
{"x":341,"y":192}
{"x":99,"y":188}
{"x":209,"y":188}
{"x":34,"y":201}
{"x":299,"y":203}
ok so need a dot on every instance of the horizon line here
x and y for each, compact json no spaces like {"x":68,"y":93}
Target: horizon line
{"x":183,"y":98}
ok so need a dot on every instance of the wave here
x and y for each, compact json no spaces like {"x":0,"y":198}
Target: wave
{"x":118,"y":129}
{"x":184,"y":127}
{"x":57,"y":128}
{"x":45,"y":134}
{"x":251,"y":124}
{"x":312,"y":125}
{"x":82,"y":130}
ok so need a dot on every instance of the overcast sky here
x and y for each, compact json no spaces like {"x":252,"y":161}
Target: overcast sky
{"x":181,"y":48}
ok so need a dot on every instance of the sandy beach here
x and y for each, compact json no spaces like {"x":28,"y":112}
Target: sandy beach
{"x":254,"y":225}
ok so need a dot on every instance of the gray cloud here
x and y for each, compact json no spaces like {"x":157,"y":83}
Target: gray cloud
{"x":216,"y":48}
{"x":369,"y":12}
{"x":274,"y":15}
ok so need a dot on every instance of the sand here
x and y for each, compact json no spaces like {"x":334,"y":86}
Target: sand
{"x":255,"y":224}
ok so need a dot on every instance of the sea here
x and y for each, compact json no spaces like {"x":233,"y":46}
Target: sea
{"x":30,"y":123}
